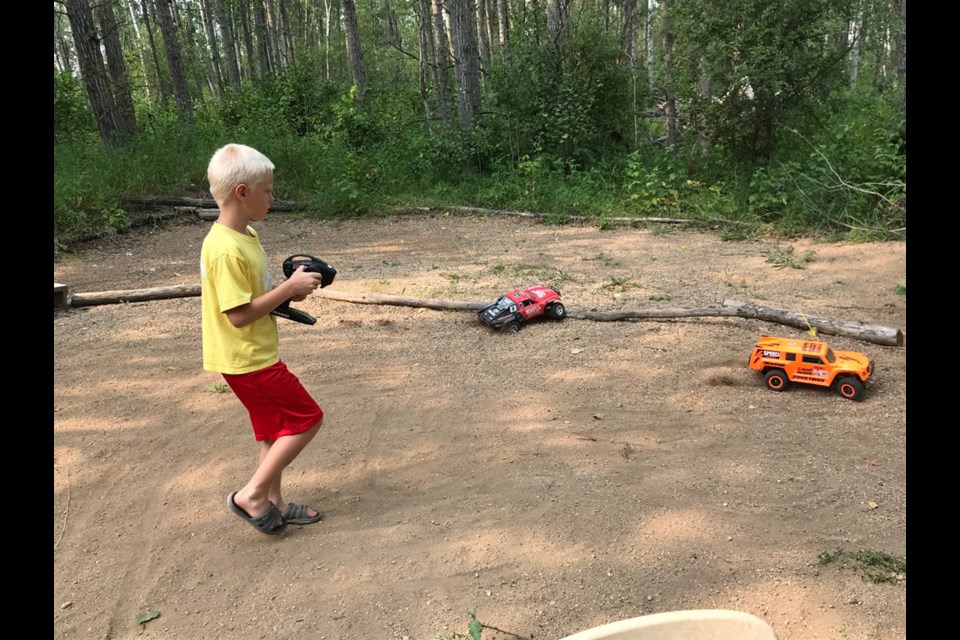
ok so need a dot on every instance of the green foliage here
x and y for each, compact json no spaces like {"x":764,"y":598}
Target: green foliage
{"x":475,"y":630}
{"x":85,"y":198}
{"x":558,"y":131}
{"x":653,"y":181}
{"x":873,"y":566}
{"x":72,"y":118}
{"x":571,"y":107}
{"x":782,"y":258}
{"x":767,"y":61}
{"x":620,"y":284}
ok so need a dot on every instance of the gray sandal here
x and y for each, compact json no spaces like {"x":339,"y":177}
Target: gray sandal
{"x":268,"y":523}
{"x":298,"y":514}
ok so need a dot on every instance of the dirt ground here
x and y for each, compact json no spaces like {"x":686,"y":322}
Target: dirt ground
{"x":574,"y":474}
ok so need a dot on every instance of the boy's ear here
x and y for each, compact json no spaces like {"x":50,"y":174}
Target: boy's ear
{"x":240,"y":191}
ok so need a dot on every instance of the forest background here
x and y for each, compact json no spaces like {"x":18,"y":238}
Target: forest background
{"x":749,"y":116}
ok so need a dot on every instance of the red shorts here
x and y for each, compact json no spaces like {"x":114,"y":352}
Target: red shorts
{"x":277,"y":402}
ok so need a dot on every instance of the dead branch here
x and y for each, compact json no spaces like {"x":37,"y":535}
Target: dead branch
{"x":877,"y":334}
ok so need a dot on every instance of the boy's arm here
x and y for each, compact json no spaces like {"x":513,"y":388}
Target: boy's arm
{"x":300,"y":284}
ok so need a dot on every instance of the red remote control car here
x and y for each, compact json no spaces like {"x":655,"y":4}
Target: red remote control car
{"x":520,"y":305}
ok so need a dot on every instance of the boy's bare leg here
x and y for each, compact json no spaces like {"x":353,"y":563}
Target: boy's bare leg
{"x":264,"y":486}
{"x":275,"y":492}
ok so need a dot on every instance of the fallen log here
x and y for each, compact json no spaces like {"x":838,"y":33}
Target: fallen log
{"x":206,"y":206}
{"x":548,"y":216}
{"x":133,"y":295}
{"x":887,"y":336}
{"x":867,"y":332}
{"x":203,"y":203}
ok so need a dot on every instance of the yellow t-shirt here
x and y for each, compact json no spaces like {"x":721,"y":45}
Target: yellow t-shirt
{"x":233,"y":271}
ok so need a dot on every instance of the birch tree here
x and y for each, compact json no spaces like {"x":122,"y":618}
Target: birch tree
{"x":855,"y":38}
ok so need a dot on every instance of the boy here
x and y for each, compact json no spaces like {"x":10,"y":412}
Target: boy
{"x":240,"y":338}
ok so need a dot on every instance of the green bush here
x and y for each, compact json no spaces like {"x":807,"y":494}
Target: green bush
{"x":72,"y":118}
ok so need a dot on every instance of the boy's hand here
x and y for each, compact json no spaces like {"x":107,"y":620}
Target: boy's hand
{"x":303,"y":283}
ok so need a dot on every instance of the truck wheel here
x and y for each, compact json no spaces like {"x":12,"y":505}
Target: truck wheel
{"x":850,"y":388}
{"x":513,"y":327}
{"x":556,"y":311}
{"x":775,"y":379}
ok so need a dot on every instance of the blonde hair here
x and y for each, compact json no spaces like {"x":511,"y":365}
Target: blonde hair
{"x":234,"y":164}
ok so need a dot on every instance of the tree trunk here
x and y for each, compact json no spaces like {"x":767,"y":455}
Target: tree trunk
{"x":229,"y":46}
{"x":466,"y":62}
{"x":251,"y":58}
{"x":328,"y":8}
{"x":92,"y":69}
{"x":651,"y":15}
{"x":666,"y":24}
{"x":855,"y":35}
{"x":285,"y":34}
{"x":483,"y":44}
{"x":61,"y":47}
{"x":263,"y":39}
{"x":178,"y":78}
{"x":491,"y":29}
{"x":212,"y":47}
{"x":441,"y":50}
{"x":556,"y":23}
{"x":901,"y":40}
{"x":423,"y":45}
{"x":503,"y":15}
{"x":396,"y":39}
{"x":198,"y":74}
{"x":628,"y":36}
{"x":162,"y":85}
{"x":354,"y":51}
{"x":131,"y":8}
{"x":119,"y":83}
{"x":277,"y":55}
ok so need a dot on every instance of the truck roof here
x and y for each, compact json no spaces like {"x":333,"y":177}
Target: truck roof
{"x":792,"y":344}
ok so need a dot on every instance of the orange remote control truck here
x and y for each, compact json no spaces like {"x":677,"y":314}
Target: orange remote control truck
{"x":786,"y":360}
